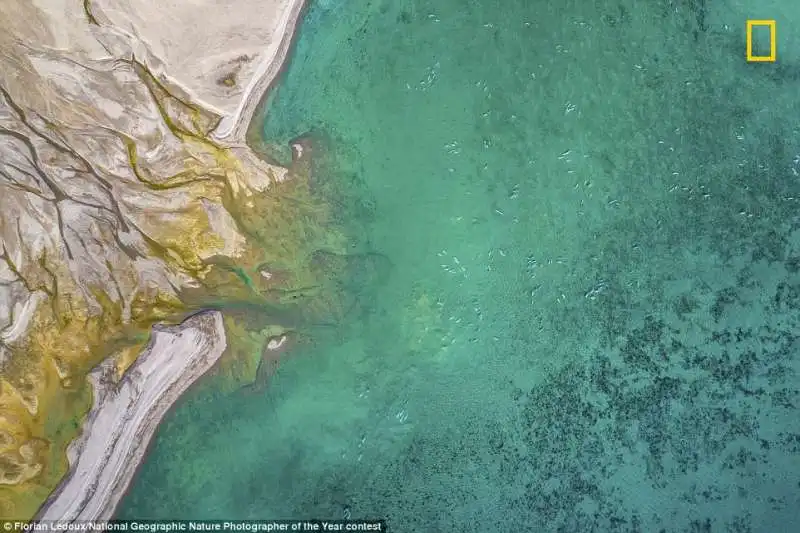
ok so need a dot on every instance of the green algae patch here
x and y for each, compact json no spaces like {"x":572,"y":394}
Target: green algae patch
{"x":244,"y":357}
{"x":288,"y":273}
{"x":288,"y":277}
{"x":276,"y":286}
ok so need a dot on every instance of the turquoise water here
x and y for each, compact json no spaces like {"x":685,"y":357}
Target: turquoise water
{"x":587,"y":320}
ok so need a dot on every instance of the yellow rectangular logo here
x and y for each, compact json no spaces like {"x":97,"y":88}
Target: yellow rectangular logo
{"x":773,"y":47}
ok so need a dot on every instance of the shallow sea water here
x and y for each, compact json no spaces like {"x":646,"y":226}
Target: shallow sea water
{"x":590,"y":322}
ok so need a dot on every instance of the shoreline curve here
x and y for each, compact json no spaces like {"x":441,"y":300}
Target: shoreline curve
{"x":125,"y":416}
{"x":232,"y":128}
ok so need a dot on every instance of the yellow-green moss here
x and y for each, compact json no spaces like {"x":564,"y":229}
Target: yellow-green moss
{"x":284,"y":226}
{"x":44,"y":394}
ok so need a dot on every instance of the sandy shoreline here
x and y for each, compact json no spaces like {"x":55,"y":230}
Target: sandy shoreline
{"x":125,"y":416}
{"x":232,"y":128}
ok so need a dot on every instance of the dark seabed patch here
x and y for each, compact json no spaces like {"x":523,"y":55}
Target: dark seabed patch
{"x":575,"y":268}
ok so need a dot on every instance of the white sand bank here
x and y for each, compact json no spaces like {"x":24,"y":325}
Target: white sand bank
{"x":124,"y":417}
